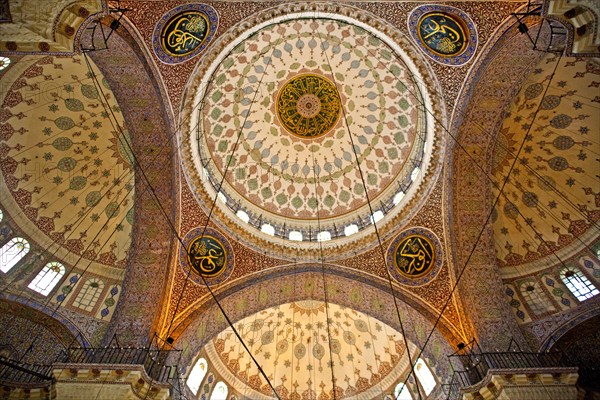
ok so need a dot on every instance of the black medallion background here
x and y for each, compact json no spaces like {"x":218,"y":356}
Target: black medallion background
{"x":207,"y":256}
{"x":443,"y":34}
{"x":207,"y":253}
{"x":183,"y":33}
{"x":414,"y":257}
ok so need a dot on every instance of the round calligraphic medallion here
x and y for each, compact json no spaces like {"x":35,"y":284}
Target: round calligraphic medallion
{"x":308,"y":106}
{"x":415,"y":257}
{"x":208,"y":255}
{"x":184,"y":32}
{"x":444,"y":33}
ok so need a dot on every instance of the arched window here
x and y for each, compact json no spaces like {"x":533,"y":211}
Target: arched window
{"x":90,"y":293}
{"x":197,"y":374}
{"x":12,"y":252}
{"x":48,"y":277}
{"x":535,"y":297}
{"x":219,"y":392}
{"x":578,"y":283}
{"x":401,"y":392}
{"x":425,"y":376}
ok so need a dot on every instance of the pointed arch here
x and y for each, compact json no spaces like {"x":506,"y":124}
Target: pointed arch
{"x":47,"y":278}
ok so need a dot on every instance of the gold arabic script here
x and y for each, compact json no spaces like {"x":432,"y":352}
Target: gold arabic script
{"x":414,"y":256}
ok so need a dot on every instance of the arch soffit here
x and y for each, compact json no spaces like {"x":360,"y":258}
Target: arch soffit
{"x":140,"y":91}
{"x":345,"y":287}
{"x":489,"y":90}
{"x":561,"y":329}
{"x":41,"y":314}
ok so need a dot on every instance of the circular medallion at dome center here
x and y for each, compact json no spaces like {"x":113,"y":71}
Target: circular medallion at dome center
{"x":308,"y":106}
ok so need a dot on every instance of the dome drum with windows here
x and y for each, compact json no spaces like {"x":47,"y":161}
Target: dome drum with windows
{"x":304,"y":122}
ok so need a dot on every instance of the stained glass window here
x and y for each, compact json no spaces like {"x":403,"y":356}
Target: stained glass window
{"x":425,"y":376}
{"x":219,"y":392}
{"x":535,"y":297}
{"x":12,"y":252}
{"x":88,"y":296}
{"x":578,"y":284}
{"x":197,"y":374}
{"x":48,"y":277}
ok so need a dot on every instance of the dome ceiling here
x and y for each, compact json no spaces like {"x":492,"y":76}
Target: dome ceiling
{"x":299,"y":113}
{"x":551,"y":206}
{"x":291,"y":344}
{"x":67,"y":178}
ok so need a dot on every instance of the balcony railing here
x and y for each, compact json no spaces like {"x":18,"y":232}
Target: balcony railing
{"x":476,"y":366}
{"x":153,"y":360}
{"x":24,"y":374}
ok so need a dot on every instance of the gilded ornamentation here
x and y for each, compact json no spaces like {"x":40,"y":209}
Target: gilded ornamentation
{"x":207,"y":253}
{"x":443,"y":34}
{"x":207,"y":256}
{"x":308,"y":106}
{"x":415,"y":257}
{"x":184,"y":32}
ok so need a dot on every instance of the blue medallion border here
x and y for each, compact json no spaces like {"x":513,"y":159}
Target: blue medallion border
{"x":183,"y":257}
{"x":469,"y":25}
{"x":434,"y":269}
{"x":213,"y":21}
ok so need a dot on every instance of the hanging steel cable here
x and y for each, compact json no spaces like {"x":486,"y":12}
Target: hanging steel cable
{"x":379,"y":241}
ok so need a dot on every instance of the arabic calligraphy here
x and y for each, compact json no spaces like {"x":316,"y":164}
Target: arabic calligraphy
{"x":183,"y":33}
{"x":207,"y":256}
{"x":443,"y":34}
{"x":414,"y":256}
{"x":308,"y":106}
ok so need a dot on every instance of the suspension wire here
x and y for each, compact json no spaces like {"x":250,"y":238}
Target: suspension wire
{"x":485,"y":131}
{"x":497,"y":198}
{"x":80,"y":257}
{"x":77,"y":220}
{"x":461,"y":272}
{"x":55,"y":310}
{"x":114,"y":184}
{"x":179,"y":239}
{"x":509,"y":151}
{"x":82,"y":274}
{"x":153,"y":192}
{"x":379,"y":241}
{"x":325,"y":294}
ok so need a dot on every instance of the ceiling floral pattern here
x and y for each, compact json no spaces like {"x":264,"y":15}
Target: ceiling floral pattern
{"x":254,"y":117}
{"x":291,"y":342}
{"x":552,"y":199}
{"x":66,"y":169}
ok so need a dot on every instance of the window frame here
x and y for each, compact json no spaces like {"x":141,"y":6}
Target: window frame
{"x":51,"y":283}
{"x":7,"y":247}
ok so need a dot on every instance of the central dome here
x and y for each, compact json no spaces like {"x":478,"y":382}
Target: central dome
{"x":300,"y":122}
